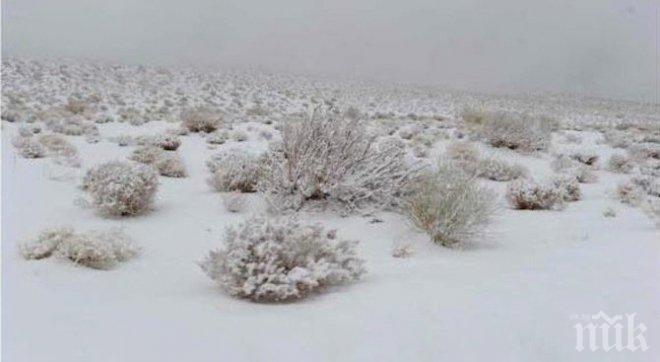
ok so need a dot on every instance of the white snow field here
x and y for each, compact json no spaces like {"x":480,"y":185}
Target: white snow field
{"x":512,"y":294}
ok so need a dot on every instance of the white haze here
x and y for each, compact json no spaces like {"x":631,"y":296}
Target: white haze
{"x":596,"y":47}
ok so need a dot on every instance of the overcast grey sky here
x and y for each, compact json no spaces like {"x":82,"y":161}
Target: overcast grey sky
{"x":600,"y":47}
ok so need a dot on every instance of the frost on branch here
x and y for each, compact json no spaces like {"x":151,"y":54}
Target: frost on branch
{"x":277,"y":260}
{"x":326,"y":159}
{"x":121,"y":188}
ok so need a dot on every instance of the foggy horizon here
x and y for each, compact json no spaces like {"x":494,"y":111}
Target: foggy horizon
{"x":595,"y":48}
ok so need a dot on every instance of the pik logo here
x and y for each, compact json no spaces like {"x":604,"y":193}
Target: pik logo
{"x":600,"y":332}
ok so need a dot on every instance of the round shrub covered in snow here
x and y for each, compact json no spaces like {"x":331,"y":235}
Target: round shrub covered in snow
{"x":530,"y":195}
{"x":93,"y":249}
{"x":98,"y":250}
{"x":45,"y":244}
{"x":170,"y":164}
{"x":620,"y":164}
{"x":146,"y":154}
{"x":276,"y":260}
{"x":569,"y":187}
{"x":200,"y":120}
{"x":499,"y":170}
{"x":29,"y":148}
{"x":234,"y":171}
{"x":121,"y":188}
{"x":449,"y":205}
{"x":166,"y":142}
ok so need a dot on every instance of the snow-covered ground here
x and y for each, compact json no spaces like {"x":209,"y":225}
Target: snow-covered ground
{"x":513,"y":294}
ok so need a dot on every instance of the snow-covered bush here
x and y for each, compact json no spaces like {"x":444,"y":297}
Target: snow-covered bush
{"x":98,"y":250}
{"x":333,"y":160}
{"x":146,"y":154}
{"x":449,"y":205}
{"x":62,"y":151}
{"x":499,"y":170}
{"x":649,"y":184}
{"x":234,"y":171}
{"x":121,"y":188}
{"x":569,"y":187}
{"x":170,"y":164}
{"x":200,"y":120}
{"x":166,"y":142}
{"x":30,"y":148}
{"x":569,"y":166}
{"x":620,"y":164}
{"x":58,"y":145}
{"x":71,"y":126}
{"x":629,"y":193}
{"x":277,"y":260}
{"x":516,"y":131}
{"x":467,"y":157}
{"x":93,"y":249}
{"x":45,"y":244}
{"x":531,"y":195}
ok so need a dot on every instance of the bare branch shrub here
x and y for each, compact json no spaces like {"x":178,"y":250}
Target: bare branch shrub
{"x":333,"y":161}
{"x":449,"y":205}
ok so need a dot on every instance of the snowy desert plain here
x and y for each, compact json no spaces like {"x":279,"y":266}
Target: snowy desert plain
{"x":488,"y":226}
